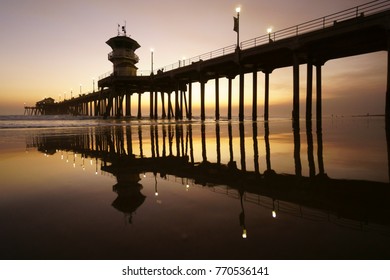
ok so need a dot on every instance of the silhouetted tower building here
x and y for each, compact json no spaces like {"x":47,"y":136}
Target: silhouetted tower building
{"x":122,"y":55}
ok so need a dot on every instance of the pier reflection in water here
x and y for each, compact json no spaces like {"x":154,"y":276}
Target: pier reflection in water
{"x":285,"y":204}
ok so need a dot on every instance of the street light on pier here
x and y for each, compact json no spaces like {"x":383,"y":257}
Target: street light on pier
{"x":151,"y":54}
{"x":269,"y":30}
{"x":237,"y":26}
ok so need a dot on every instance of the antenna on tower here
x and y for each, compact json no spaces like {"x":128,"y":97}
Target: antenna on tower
{"x":124,"y":28}
{"x":118,"y":29}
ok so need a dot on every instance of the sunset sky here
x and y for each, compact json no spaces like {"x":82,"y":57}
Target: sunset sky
{"x":50,"y":48}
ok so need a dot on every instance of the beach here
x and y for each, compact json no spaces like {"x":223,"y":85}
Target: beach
{"x":87,"y":188}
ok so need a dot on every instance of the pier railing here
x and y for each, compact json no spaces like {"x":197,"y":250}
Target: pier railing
{"x":319,"y":23}
{"x":309,"y":26}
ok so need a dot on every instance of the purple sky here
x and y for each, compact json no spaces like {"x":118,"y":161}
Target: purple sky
{"x":49,"y":48}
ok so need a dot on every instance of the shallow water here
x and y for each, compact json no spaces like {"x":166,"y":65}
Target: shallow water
{"x":94,"y":189}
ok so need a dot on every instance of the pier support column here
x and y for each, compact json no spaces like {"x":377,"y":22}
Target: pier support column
{"x":170,"y":110}
{"x":309,"y":91}
{"x":151,"y":105}
{"x":217,"y":98}
{"x":202,"y":101}
{"x":185,"y":103}
{"x":163,"y":114}
{"x":190,"y":100}
{"x":139,"y":115}
{"x":119,"y":112}
{"x":177,"y":113}
{"x":295,"y":113}
{"x":95,"y":108}
{"x":241,"y":97}
{"x":155,"y":105}
{"x":254,"y":96}
{"x":128,"y":105}
{"x":229,"y":98}
{"x":181,"y":104}
{"x":266,"y":95}
{"x":319,"y":96}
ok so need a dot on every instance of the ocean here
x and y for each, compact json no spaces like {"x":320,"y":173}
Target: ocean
{"x":86,"y":188}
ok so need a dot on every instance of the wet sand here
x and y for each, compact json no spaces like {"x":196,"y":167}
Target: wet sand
{"x":196,"y":191}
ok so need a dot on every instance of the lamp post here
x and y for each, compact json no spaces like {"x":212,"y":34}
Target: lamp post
{"x":269,"y":30}
{"x":237,"y":26}
{"x":151,"y":57}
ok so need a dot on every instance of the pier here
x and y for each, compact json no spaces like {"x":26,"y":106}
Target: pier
{"x":360,"y":30}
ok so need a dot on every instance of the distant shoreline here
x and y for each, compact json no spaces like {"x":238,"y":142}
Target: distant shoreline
{"x":368,"y":115}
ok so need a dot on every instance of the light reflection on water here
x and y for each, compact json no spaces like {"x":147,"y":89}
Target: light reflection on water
{"x":224,"y":190}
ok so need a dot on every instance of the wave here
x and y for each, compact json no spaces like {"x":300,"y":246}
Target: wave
{"x":63,"y":121}
{"x":68,"y":121}
{"x":21,"y":121}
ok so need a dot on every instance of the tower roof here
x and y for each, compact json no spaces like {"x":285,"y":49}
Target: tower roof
{"x":123,"y":42}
